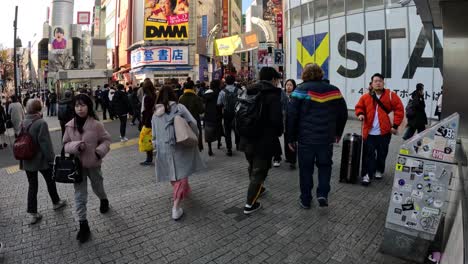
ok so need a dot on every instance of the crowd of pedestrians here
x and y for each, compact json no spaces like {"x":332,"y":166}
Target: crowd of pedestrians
{"x":311,"y":117}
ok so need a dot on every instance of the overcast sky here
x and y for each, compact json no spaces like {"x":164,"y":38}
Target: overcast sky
{"x":32,"y":14}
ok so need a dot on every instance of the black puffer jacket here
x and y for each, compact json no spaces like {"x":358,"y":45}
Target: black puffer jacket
{"x":120,"y":104}
{"x":213,"y":113}
{"x":419,"y":120}
{"x":271,"y":121}
{"x":317,"y":114}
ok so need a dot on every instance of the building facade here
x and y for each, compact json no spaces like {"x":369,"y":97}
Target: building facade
{"x":354,"y":39}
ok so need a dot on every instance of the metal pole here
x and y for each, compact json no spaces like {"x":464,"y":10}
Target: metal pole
{"x":14,"y":53}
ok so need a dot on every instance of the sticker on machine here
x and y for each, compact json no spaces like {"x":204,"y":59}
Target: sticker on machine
{"x":429,"y":211}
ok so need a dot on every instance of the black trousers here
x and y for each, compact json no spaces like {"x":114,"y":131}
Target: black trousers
{"x":62,"y":127}
{"x":278,"y":150}
{"x":200,"y":135}
{"x":123,"y":125}
{"x":97,"y":102}
{"x":258,"y":171}
{"x":375,"y":154}
{"x":290,"y":156}
{"x":228,"y":128}
{"x":411,"y":130}
{"x":34,"y":186}
{"x":105,"y":109}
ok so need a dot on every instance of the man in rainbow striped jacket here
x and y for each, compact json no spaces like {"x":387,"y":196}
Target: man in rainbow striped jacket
{"x":317,"y":115}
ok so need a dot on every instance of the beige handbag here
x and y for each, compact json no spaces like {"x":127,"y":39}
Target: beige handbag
{"x":184,"y":133}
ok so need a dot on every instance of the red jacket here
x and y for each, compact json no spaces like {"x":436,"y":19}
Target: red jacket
{"x":366,"y":106}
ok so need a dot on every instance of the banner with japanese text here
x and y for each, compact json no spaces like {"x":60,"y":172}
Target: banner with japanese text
{"x":166,"y":20}
{"x":158,"y":55}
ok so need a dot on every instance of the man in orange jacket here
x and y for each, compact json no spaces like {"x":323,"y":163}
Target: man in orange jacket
{"x":373,"y":109}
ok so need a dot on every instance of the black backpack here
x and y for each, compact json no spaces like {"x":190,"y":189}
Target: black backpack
{"x":410,"y":109}
{"x":65,"y":112}
{"x":230,"y":101}
{"x":248,"y":114}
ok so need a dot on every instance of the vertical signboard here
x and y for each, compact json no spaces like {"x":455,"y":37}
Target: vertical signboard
{"x":122,"y":29}
{"x":225,"y":18}
{"x":204,"y":26}
{"x":166,"y":20}
{"x":270,"y":10}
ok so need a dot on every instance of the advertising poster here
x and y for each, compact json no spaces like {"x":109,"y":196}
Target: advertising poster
{"x":236,"y":44}
{"x":270,"y":10}
{"x":264,"y":59}
{"x":166,"y":19}
{"x":60,"y":49}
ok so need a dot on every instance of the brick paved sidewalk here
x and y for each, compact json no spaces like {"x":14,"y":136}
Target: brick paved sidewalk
{"x":139,"y":227}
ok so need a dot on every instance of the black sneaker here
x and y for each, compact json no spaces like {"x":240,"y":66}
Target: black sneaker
{"x":323,"y":202}
{"x":146,"y":163}
{"x":104,"y":208}
{"x":292,"y":166}
{"x":210,"y":153}
{"x":229,"y":153}
{"x":255,"y":207}
{"x":84,"y":232}
{"x":303,"y":206}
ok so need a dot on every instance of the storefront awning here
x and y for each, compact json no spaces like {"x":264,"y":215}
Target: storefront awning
{"x":144,"y":69}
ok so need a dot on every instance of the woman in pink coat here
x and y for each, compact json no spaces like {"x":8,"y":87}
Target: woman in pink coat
{"x":87,"y":138}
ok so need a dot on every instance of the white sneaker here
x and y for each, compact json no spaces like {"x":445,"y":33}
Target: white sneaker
{"x":60,"y":204}
{"x":378,"y":175}
{"x":34,"y":218}
{"x":2,"y":247}
{"x":177,"y":213}
{"x":276,"y":164}
{"x":123,"y":139}
{"x":365,"y":180}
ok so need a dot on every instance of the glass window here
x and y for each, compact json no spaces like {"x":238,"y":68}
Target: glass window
{"x":392,"y":3}
{"x":353,"y":5}
{"x":307,"y":13}
{"x":373,"y":3}
{"x":296,"y":16}
{"x":321,"y":9}
{"x":336,"y":7}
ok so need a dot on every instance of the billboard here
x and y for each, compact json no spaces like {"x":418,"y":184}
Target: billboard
{"x":160,"y":55}
{"x":271,"y":8}
{"x":166,"y":20}
{"x":236,"y":44}
{"x":60,"y":49}
{"x":403,"y":52}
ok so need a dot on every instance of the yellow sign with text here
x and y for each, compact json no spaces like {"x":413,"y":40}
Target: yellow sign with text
{"x":166,"y":20}
{"x":227,"y":46}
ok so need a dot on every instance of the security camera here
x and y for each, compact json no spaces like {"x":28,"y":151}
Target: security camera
{"x":404,"y":2}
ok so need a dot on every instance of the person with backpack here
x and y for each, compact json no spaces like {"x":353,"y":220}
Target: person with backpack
{"x":195,"y":106}
{"x":33,"y":147}
{"x":16,"y":114}
{"x":53,"y":103}
{"x":65,"y":110}
{"x":120,"y":106}
{"x":373,"y":110}
{"x":416,"y":112}
{"x":227,"y":99}
{"x":317,"y":115}
{"x":149,"y":101}
{"x":175,"y":162}
{"x":259,"y":122}
{"x":87,"y":138}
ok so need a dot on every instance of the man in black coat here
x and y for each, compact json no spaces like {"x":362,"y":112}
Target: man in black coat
{"x":317,"y":115}
{"x":259,"y":151}
{"x":121,"y":107}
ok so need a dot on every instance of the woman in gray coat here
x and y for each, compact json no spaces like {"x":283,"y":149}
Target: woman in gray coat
{"x":175,"y":163}
{"x":16,"y":113}
{"x":44,"y":157}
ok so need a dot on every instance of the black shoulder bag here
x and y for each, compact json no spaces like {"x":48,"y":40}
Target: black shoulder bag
{"x":67,"y":169}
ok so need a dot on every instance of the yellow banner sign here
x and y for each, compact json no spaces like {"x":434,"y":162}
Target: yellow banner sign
{"x":166,"y":20}
{"x":227,"y":46}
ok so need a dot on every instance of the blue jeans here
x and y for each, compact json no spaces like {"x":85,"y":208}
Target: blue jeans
{"x":309,"y":157}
